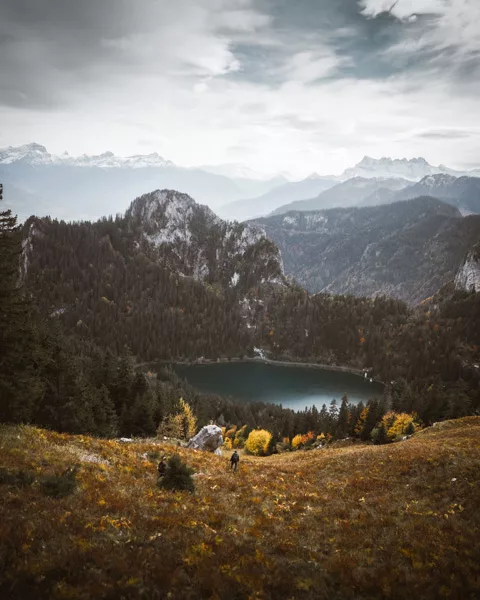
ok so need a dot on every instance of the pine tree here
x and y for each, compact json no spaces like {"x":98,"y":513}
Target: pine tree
{"x":343,"y":416}
{"x":379,"y":434}
{"x":142,"y":415}
{"x":106,"y":420}
{"x":178,"y":476}
{"x":20,"y":386}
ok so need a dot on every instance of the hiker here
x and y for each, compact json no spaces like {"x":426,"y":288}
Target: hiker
{"x":234,"y":461}
{"x":162,"y":467}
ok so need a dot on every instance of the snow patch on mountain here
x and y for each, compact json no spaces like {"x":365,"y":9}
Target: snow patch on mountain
{"x":413,"y":169}
{"x":36,"y":155}
{"x":33,"y":154}
{"x":441,"y":180}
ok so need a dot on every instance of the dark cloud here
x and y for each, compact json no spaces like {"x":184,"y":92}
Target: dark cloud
{"x":446,"y":134}
{"x":47,"y":46}
{"x":55,"y":50}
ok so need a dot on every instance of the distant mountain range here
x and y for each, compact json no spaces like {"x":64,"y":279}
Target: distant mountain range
{"x":369,"y":183}
{"x":413,"y":169}
{"x":288,"y":192}
{"x":88,"y":187}
{"x":352,"y":192}
{"x":37,"y":155}
{"x":407,"y":250}
{"x":462,"y":192}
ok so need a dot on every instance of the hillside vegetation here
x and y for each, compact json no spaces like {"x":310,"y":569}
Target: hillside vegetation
{"x":407,"y":250}
{"x":357,"y":522}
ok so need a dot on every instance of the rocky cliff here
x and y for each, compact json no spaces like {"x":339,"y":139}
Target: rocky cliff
{"x":468,"y":276}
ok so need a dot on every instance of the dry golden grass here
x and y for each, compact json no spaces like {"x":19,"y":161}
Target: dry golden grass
{"x":397,"y":521}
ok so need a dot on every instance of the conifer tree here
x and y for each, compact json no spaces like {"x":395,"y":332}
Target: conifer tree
{"x":20,"y":385}
{"x":343,"y":419}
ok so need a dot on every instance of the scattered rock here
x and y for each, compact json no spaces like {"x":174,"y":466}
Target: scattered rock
{"x":208,"y":438}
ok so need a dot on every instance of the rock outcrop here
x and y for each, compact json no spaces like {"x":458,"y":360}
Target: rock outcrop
{"x":468,"y":277}
{"x":209,"y":438}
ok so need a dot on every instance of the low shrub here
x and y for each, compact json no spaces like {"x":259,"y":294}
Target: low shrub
{"x":178,"y":476}
{"x":258,"y":442}
{"x":153,"y":455}
{"x":62,"y":484}
{"x":379,"y":435}
{"x":18,"y":478}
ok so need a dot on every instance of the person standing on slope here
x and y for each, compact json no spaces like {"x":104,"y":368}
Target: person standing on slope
{"x":234,"y":461}
{"x":162,"y":467}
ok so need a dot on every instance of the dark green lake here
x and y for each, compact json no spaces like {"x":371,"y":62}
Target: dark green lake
{"x":293,"y":387}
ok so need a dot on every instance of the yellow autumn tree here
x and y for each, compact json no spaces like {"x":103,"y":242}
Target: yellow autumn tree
{"x":189,"y":420}
{"x":361,"y":421}
{"x":258,"y":442}
{"x":399,"y":424}
{"x":182,"y":424}
{"x":298,"y":441}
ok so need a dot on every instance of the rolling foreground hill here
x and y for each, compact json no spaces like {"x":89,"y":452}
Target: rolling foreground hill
{"x":359,"y":522}
{"x":407,"y":250}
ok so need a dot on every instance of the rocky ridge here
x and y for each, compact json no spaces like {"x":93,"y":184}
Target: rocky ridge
{"x":407,"y":250}
{"x":468,"y":276}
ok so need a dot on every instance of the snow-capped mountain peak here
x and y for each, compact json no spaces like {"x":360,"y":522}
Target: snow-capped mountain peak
{"x":36,"y":154}
{"x":412,"y":169}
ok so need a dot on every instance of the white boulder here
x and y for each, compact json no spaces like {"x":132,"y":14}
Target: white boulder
{"x":208,"y":438}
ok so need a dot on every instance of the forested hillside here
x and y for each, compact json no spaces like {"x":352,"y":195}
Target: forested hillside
{"x":407,"y":250}
{"x":170,"y":281}
{"x":166,"y":278}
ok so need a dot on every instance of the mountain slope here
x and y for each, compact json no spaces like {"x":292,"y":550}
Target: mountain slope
{"x":407,"y":250}
{"x":349,"y":193}
{"x":263,"y":205}
{"x":168,"y":262}
{"x":329,"y":524}
{"x":463,"y":192}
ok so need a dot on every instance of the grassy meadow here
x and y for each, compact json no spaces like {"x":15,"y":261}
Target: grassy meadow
{"x":354,"y":522}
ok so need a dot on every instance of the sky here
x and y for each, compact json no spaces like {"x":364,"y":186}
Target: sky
{"x":292,"y":86}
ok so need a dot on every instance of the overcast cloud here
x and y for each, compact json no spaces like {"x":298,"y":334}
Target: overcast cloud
{"x":310,"y":85}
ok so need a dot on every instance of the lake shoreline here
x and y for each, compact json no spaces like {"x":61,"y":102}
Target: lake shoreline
{"x":278,"y":363}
